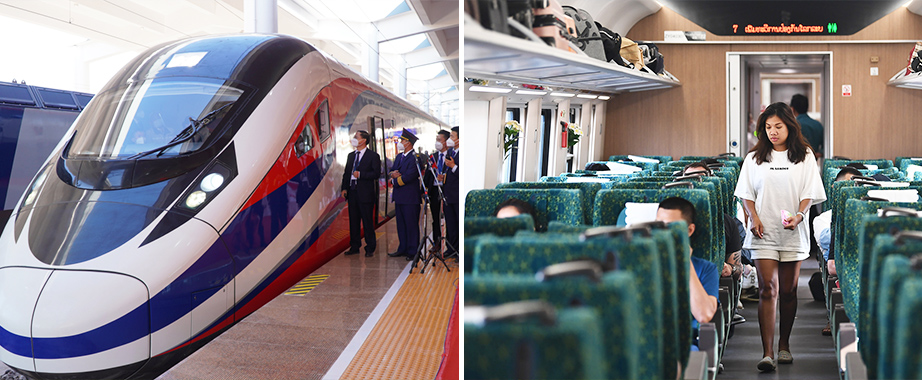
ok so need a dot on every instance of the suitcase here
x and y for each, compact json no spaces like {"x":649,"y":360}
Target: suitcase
{"x":553,"y":25}
{"x":522,"y":12}
{"x":493,"y":14}
{"x":587,"y":36}
{"x":611,"y":42}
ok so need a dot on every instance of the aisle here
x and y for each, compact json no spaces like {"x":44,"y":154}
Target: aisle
{"x":814,"y":354}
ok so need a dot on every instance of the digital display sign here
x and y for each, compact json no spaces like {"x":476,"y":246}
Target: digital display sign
{"x":782,"y":18}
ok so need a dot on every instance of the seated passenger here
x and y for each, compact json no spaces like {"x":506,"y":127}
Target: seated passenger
{"x":703,"y":277}
{"x":822,"y":228}
{"x":822,"y":231}
{"x":733,"y":230}
{"x":515,"y":207}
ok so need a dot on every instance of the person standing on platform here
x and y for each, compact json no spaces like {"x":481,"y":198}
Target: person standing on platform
{"x":779,"y":181}
{"x":407,"y":196}
{"x":451,"y":181}
{"x":437,"y":164}
{"x":360,"y":188}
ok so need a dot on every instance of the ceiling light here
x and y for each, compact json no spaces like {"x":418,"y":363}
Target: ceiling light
{"x":586,"y":96}
{"x":787,"y":71}
{"x":563,"y":94}
{"x":490,"y":89}
{"x":530,"y":92}
{"x":907,"y":3}
{"x":604,"y":97}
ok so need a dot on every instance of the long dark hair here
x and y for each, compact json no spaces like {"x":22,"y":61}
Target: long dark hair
{"x":796,"y":143}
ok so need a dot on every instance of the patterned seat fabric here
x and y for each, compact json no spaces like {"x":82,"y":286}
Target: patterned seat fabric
{"x":895,"y":270}
{"x":848,"y":258}
{"x":528,"y":254}
{"x":571,"y":348}
{"x":587,"y":192}
{"x":550,"y":204}
{"x":475,"y":227}
{"x":908,"y":357}
{"x":615,"y":298}
{"x":903,"y":162}
{"x":885,"y":245}
{"x":708,"y":241}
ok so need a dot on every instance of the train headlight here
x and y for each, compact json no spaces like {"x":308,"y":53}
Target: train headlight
{"x":196,"y":199}
{"x":212,"y":182}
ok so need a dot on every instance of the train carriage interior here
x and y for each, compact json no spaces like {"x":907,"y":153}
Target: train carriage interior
{"x":273,"y":189}
{"x":595,"y":131}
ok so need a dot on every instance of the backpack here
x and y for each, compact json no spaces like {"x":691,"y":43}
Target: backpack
{"x":652,"y":58}
{"x":816,"y":287}
{"x":587,"y":33}
{"x":611,"y":42}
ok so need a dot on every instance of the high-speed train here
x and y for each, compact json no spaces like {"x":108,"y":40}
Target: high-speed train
{"x":200,"y":183}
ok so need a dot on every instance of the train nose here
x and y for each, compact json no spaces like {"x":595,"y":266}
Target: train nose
{"x":57,"y":315}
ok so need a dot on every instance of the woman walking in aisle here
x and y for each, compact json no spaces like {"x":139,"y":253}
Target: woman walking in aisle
{"x":779,"y":181}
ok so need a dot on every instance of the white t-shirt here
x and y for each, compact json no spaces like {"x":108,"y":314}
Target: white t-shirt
{"x":775,"y":186}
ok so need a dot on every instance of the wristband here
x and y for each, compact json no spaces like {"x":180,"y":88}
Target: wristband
{"x":802,"y":214}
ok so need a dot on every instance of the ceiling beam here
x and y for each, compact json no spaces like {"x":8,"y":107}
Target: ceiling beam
{"x":408,"y":24}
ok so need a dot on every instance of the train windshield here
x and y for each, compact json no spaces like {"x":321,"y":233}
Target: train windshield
{"x":157,"y":117}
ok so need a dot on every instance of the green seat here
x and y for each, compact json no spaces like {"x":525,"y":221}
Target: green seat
{"x":884,"y":246}
{"x":708,"y":241}
{"x":570,"y":347}
{"x":908,"y":356}
{"x":615,"y":298}
{"x":550,"y":204}
{"x":848,"y":258}
{"x":530,"y":254}
{"x":896,"y":269}
{"x":587,"y":192}
{"x":474,"y":227}
{"x":903,"y":162}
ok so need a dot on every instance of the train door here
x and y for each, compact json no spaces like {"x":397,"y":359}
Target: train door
{"x":377,"y":143}
{"x":547,"y":116}
{"x":511,"y":154}
{"x":756,"y":80}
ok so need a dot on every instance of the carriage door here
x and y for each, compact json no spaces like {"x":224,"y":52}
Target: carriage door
{"x":376,"y":129}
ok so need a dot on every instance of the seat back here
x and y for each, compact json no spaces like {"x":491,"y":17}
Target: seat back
{"x":532,"y":348}
{"x":873,"y":304}
{"x":615,"y":298}
{"x":708,"y":240}
{"x":895,"y":270}
{"x":550,"y":204}
{"x":587,"y":192}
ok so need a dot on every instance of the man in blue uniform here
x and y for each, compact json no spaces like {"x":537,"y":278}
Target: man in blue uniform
{"x":405,"y":179}
{"x":433,"y":184}
{"x":451,"y":179}
{"x":360,"y":187}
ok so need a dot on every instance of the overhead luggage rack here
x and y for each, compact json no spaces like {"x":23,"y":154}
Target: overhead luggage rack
{"x":496,"y":56}
{"x":903,"y":80}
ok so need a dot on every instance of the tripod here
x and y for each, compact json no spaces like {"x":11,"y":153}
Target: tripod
{"x":421,"y":250}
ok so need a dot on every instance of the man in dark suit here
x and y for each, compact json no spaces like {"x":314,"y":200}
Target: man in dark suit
{"x":360,"y":187}
{"x":433,"y":184}
{"x":451,"y":180}
{"x":406,"y":182}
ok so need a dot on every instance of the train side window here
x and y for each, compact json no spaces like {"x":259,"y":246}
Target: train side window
{"x":322,"y":118}
{"x":305,"y":141}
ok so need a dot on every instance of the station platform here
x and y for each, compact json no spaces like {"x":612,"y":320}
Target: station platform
{"x":356,"y":317}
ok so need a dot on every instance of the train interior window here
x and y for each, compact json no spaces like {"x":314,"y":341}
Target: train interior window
{"x":510,"y":159}
{"x":546,"y":119}
{"x":305,"y":140}
{"x":322,"y":119}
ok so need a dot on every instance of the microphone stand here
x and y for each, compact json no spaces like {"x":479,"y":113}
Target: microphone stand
{"x":421,"y":249}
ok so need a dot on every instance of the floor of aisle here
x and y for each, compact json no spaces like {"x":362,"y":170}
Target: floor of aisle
{"x":814,"y":353}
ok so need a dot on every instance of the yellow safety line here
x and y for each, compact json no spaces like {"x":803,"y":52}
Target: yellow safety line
{"x":306,"y":285}
{"x":408,"y":340}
